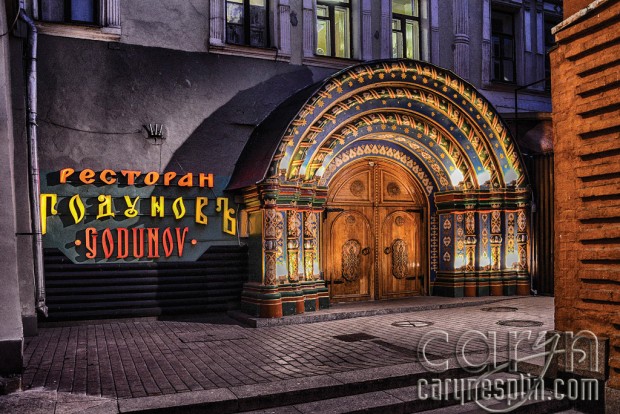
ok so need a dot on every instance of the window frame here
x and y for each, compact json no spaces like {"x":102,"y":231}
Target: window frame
{"x":67,"y":14}
{"x":332,"y":27}
{"x":403,"y":23}
{"x":247,"y":26}
{"x":499,"y":78}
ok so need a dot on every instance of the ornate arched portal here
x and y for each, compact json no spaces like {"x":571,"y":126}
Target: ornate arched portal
{"x":430,"y":123}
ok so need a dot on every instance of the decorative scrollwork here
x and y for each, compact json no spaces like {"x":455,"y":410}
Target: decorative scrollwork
{"x":357,"y":188}
{"x":393,"y":189}
{"x":400,"y":258}
{"x":351,"y":260}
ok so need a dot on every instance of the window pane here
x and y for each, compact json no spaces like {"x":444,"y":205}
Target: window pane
{"x":508,"y":67}
{"x":234,"y":12}
{"x":496,"y":48}
{"x":342,"y":32}
{"x":396,"y":24}
{"x":323,"y":41}
{"x":406,"y":7}
{"x":52,"y":10}
{"x":397,"y":44}
{"x":83,"y":11}
{"x":235,"y":32}
{"x":413,"y":39}
{"x":258,"y":26}
{"x":496,"y":70}
{"x":508,"y":50}
{"x":322,"y":11}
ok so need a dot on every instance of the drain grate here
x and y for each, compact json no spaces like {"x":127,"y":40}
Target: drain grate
{"x":354,"y":337}
{"x":412,"y":324}
{"x":520,"y":323}
{"x":500,"y":309}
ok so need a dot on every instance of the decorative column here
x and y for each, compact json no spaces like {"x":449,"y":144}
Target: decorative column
{"x":216,"y":23}
{"x":471,"y":279}
{"x":386,"y":29}
{"x":309,"y":286}
{"x":293,"y":231}
{"x":111,"y":12}
{"x":434,"y":12}
{"x":308,"y":28}
{"x":523,"y":282}
{"x":495,"y":281}
{"x":284,"y":27}
{"x":366,"y":30}
{"x":460,"y":12}
{"x":512,"y":258}
{"x":486,"y":43}
{"x":484,"y":255}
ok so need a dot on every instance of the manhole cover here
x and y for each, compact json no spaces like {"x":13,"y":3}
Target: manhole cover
{"x":355,"y":337}
{"x":412,"y":324}
{"x":500,"y":309}
{"x":520,"y":323}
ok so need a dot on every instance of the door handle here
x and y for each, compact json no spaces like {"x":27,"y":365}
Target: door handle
{"x":366,"y":251}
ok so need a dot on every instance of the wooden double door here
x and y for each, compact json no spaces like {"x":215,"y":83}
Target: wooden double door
{"x":374,"y":240}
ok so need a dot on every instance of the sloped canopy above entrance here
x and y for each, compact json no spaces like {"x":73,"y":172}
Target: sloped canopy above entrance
{"x":422,"y":112}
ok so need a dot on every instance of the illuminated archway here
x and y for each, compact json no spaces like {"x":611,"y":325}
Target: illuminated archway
{"x":433,"y":123}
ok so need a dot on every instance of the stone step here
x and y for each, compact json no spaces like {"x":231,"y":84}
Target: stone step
{"x":414,"y":399}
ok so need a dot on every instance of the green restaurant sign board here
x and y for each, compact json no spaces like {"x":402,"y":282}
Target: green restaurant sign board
{"x":129,"y":216}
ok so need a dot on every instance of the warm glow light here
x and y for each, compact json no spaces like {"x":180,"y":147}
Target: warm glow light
{"x":456,"y":177}
{"x":511,"y":260}
{"x":484,"y":261}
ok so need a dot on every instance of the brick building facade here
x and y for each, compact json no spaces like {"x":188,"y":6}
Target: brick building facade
{"x":586,"y":118}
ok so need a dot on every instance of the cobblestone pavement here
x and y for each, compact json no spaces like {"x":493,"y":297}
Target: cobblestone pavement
{"x":143,"y":358}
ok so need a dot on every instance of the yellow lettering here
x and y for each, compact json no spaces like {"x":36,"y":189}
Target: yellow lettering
{"x":229,"y":223}
{"x":76,"y":207}
{"x":53,"y":199}
{"x":201,"y":218}
{"x":131,"y":211}
{"x":206,"y":180}
{"x":157,"y":206}
{"x":178,"y":208}
{"x":105,"y":206}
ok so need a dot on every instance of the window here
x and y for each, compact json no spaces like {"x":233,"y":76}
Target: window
{"x":246,"y":22}
{"x":69,"y":11}
{"x":503,"y":47}
{"x":406,"y":29}
{"x":333,"y":28}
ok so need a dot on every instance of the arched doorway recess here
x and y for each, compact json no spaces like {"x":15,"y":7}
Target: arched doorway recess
{"x":414,"y":120}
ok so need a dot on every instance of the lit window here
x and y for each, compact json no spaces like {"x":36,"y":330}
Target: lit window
{"x":69,"y":11}
{"x":333,"y":28}
{"x":246,"y":22}
{"x":503,"y":41}
{"x":406,"y":29}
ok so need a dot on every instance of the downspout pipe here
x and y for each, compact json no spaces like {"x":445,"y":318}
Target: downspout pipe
{"x":33,"y":161}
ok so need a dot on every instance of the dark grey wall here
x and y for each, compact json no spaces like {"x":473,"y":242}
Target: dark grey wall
{"x":95,"y":97}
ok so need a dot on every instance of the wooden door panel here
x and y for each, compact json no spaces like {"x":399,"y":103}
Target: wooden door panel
{"x":350,"y":250}
{"x":400,"y":251}
{"x":355,"y":190}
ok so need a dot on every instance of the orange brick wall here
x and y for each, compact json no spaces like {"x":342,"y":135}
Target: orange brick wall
{"x":586,"y":118}
{"x":573,"y":6}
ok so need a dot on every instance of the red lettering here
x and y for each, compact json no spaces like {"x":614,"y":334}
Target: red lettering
{"x":122,"y":236}
{"x":107,"y":243}
{"x":153,"y":240}
{"x":138,"y":243}
{"x":167,"y":242}
{"x":87,"y":176}
{"x":206,"y":180}
{"x":168,"y":177}
{"x":105,"y":176}
{"x":65,"y":173}
{"x":151,"y":178}
{"x":131,"y":176}
{"x":181,"y":239}
{"x":91,"y":242}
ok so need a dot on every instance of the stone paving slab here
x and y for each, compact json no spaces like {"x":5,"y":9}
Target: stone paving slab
{"x":124,"y":361}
